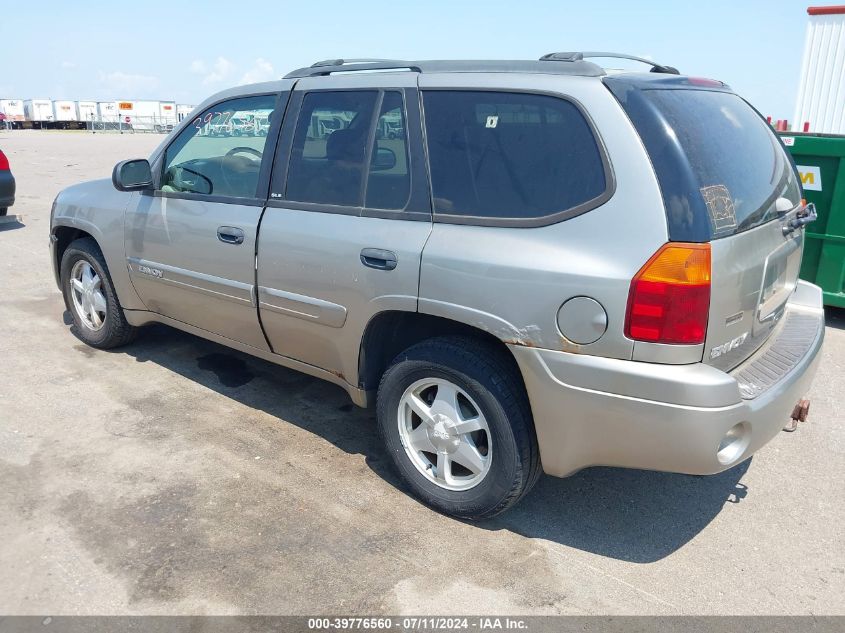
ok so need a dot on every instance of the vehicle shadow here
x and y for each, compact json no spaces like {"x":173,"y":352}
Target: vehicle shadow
{"x":10,"y":223}
{"x":314,"y":405}
{"x":834,"y":317}
{"x":630,"y":515}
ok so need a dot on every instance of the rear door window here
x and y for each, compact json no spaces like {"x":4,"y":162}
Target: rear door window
{"x":515,"y":158}
{"x":389,"y":181}
{"x":720,"y":166}
{"x":327,"y":163}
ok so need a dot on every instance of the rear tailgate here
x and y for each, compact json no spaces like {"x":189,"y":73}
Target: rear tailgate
{"x":726,"y":179}
{"x":754,"y":273}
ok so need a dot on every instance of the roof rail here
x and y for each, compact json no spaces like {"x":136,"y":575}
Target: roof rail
{"x":361,"y":60}
{"x":329,"y":66}
{"x":575,"y":57}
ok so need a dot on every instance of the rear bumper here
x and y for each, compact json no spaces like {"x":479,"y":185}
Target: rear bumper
{"x":591,"y":411}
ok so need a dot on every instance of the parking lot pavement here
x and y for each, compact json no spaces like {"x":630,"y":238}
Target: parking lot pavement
{"x":177,"y":476}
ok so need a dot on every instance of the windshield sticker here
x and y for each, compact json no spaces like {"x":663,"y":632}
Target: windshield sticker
{"x":721,"y":207}
{"x":492,"y":121}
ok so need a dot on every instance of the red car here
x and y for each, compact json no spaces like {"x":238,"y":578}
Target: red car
{"x":7,"y":185}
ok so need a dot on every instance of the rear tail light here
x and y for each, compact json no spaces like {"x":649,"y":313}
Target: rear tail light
{"x":670,"y":296}
{"x":4,"y":162}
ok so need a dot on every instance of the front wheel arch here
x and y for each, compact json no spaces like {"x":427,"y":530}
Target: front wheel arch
{"x":63,"y":237}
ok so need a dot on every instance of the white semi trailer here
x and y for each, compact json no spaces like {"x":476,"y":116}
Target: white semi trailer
{"x":107,"y":111}
{"x":38,"y":113}
{"x":152,"y":116}
{"x":167,"y":111}
{"x":146,"y":116}
{"x":183,"y":110}
{"x":13,"y":111}
{"x":116,"y":114}
{"x":87,"y":111}
{"x":65,"y":115}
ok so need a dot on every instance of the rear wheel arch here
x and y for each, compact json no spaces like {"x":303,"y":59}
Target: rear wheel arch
{"x":391,"y":332}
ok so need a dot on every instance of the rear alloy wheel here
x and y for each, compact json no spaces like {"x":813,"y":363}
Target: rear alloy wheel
{"x":455,"y":419}
{"x":444,"y":433}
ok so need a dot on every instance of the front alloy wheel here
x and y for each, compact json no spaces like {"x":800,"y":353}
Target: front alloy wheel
{"x":87,"y":293}
{"x":90,"y":296}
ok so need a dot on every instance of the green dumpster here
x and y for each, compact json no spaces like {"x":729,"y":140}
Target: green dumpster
{"x":820,"y":159}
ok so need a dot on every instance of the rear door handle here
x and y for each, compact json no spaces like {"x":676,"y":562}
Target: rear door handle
{"x":378,"y":258}
{"x":230,"y":235}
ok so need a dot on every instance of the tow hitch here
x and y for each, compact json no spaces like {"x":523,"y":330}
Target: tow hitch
{"x":799,"y":414}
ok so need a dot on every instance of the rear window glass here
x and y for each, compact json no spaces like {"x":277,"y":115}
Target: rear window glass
{"x":720,"y":166}
{"x":510,"y":155}
{"x":330,"y":147}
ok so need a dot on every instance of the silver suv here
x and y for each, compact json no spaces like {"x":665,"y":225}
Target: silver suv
{"x":553,"y":266}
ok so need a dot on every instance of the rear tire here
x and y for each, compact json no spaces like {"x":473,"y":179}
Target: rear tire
{"x":476,"y":474}
{"x":90,"y":296}
{"x":3,"y":211}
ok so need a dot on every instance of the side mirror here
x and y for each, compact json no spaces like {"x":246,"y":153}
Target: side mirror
{"x":132,"y":175}
{"x":384,"y":159}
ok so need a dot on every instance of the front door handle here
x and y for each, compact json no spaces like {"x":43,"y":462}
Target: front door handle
{"x":378,"y":258}
{"x":230,"y":235}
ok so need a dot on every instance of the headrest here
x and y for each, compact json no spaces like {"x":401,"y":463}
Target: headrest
{"x":346,"y":144}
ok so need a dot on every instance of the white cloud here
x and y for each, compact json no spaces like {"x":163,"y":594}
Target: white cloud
{"x":220,"y":70}
{"x":261,"y":70}
{"x":122,"y":84}
{"x":223,"y":70}
{"x":68,"y":64}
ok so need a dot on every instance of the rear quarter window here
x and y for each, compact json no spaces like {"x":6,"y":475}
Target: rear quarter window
{"x":511,"y":158}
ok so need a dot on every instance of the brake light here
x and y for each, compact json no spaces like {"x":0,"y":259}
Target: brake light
{"x":669,"y":298}
{"x":4,"y":162}
{"x":704,"y":82}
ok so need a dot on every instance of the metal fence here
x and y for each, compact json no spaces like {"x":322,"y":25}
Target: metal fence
{"x":126,"y":124}
{"x":130,"y":124}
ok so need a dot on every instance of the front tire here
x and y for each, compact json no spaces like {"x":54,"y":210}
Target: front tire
{"x":90,"y":296}
{"x":456,"y":422}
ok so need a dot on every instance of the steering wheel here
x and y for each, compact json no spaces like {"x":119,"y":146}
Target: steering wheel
{"x":232,"y":152}
{"x":246,"y":150}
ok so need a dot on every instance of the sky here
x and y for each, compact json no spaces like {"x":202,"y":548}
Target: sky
{"x":185,"y":51}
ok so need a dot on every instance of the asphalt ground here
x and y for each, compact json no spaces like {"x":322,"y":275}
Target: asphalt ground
{"x":175,"y":476}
